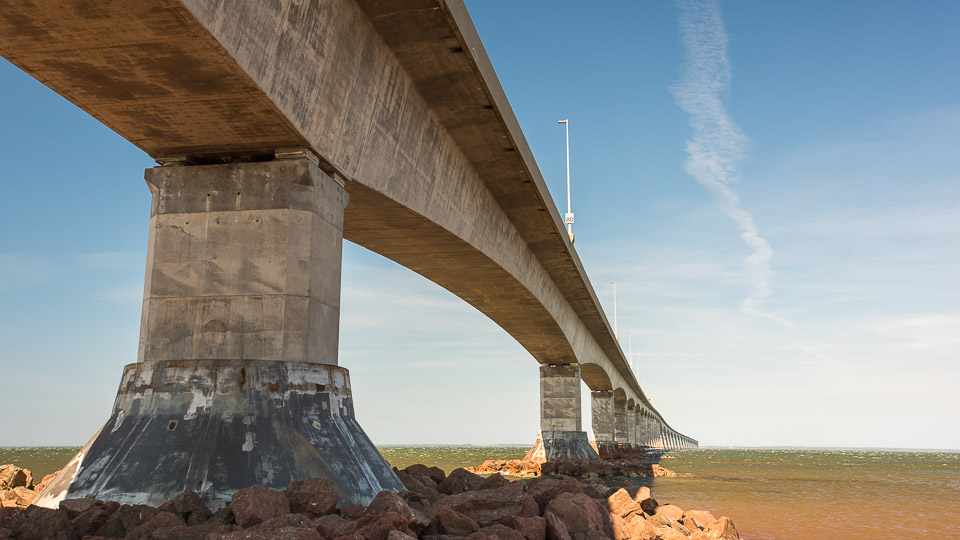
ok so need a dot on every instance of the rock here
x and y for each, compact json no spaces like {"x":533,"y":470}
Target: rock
{"x":622,"y":505}
{"x":435,"y":473}
{"x":195,"y":532}
{"x":640,"y":494}
{"x":12,"y":519}
{"x":649,"y":506}
{"x":314,"y":497}
{"x":595,"y":491}
{"x":495,"y":532}
{"x":529,"y":507}
{"x":387,"y":501}
{"x":372,"y":527}
{"x":634,"y":528}
{"x":668,"y":514}
{"x":256,"y":504}
{"x":189,"y":507}
{"x":452,"y":523}
{"x":90,"y":520}
{"x":580,"y":514}
{"x":352,"y":512}
{"x":12,"y":476}
{"x":544,"y":490}
{"x":428,"y":491}
{"x":488,"y":506}
{"x":556,"y":529}
{"x":126,"y":518}
{"x":285,"y":533}
{"x":280,"y":522}
{"x":223,"y":515}
{"x":531,"y":528}
{"x":493,"y":481}
{"x":660,"y":471}
{"x":724,"y":530}
{"x":161,"y":521}
{"x":697,"y":519}
{"x":46,"y":480}
{"x":397,"y":535}
{"x":25,"y":496}
{"x":75,"y":507}
{"x":47,"y":524}
{"x":460,"y":480}
{"x":328,"y":525}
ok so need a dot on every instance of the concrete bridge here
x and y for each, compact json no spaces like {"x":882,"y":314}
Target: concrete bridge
{"x":280,"y":128}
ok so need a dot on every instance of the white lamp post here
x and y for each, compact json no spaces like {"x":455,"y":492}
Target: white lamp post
{"x":568,"y":219}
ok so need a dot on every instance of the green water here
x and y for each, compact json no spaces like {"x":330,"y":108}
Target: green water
{"x":770,"y":494}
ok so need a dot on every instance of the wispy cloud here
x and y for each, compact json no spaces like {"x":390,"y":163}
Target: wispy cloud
{"x":718,"y":146}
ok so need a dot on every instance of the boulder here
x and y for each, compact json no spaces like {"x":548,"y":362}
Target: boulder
{"x":556,"y":529}
{"x":25,"y":496}
{"x":622,"y":505}
{"x":531,"y":528}
{"x":75,"y":507}
{"x":125,"y":519}
{"x":493,"y":481}
{"x":12,"y":476}
{"x":47,"y":524}
{"x":314,"y":497}
{"x":281,"y":522}
{"x":93,"y":515}
{"x":724,"y":530}
{"x":388,"y":501}
{"x":460,"y":480}
{"x":580,"y":514}
{"x":668,"y":514}
{"x":223,"y":515}
{"x":697,"y":519}
{"x":634,"y":528}
{"x":328,"y":525}
{"x":495,"y":532}
{"x":352,"y":512}
{"x":398,"y":535}
{"x":452,"y":523}
{"x":428,"y":491}
{"x":195,"y":532}
{"x":256,"y":504}
{"x":372,"y":527}
{"x":488,"y":506}
{"x":545,"y":489}
{"x":434,"y":473}
{"x":189,"y":507}
{"x":161,"y":521}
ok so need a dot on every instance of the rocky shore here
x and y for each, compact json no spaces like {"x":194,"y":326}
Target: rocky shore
{"x":628,"y":466}
{"x":434,"y":505}
{"x":17,"y":488}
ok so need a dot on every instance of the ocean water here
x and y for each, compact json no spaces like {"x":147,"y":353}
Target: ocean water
{"x":769,"y":494}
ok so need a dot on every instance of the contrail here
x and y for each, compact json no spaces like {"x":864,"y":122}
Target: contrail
{"x":718,"y":145}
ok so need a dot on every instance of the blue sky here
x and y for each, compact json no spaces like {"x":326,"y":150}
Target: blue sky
{"x":847,"y":119}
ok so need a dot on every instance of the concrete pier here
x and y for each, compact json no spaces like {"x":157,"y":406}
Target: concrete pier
{"x":236,"y":382}
{"x":561,"y":432}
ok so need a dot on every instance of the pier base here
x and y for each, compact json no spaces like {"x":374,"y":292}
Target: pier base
{"x":218,"y":426}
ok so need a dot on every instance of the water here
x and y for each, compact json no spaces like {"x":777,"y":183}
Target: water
{"x":782,"y":494}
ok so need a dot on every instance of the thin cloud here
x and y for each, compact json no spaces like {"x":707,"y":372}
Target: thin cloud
{"x":718,"y":145}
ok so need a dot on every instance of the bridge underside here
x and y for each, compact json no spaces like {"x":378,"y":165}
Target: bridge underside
{"x":394,"y":102}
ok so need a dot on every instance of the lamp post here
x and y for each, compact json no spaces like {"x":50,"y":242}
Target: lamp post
{"x":568,"y":219}
{"x":630,"y":349}
{"x":616,"y":334}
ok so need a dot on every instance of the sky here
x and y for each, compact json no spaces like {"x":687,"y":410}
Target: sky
{"x":774,"y":187}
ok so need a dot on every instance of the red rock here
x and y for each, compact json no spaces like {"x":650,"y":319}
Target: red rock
{"x":93,"y":518}
{"x":622,"y":505}
{"x":452,"y":523}
{"x":640,"y":494}
{"x":161,"y":521}
{"x":352,"y":512}
{"x":428,"y":491}
{"x":634,"y":528}
{"x":460,"y":480}
{"x":373,"y":527}
{"x":556,"y":529}
{"x":493,"y":481}
{"x":280,"y":522}
{"x":697,"y":519}
{"x":12,"y":476}
{"x":12,"y":519}
{"x":126,"y":518}
{"x":328,"y":525}
{"x":580,"y":514}
{"x":724,"y":529}
{"x":387,"y":501}
{"x":24,"y":495}
{"x":529,"y":507}
{"x":223,"y":515}
{"x":532,"y":528}
{"x":435,"y":473}
{"x":189,"y":506}
{"x":286,"y":533}
{"x":47,"y":524}
{"x":195,"y":532}
{"x":544,"y":490}
{"x":313,"y":497}
{"x":488,"y":506}
{"x":256,"y":504}
{"x":75,"y":507}
{"x":495,"y":532}
{"x":669,"y":514}
{"x":660,"y":471}
{"x":397,"y":535}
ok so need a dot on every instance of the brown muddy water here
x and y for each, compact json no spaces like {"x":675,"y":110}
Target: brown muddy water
{"x":769,"y":494}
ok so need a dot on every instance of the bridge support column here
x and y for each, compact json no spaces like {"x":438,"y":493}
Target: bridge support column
{"x":561,"y":434}
{"x":631,"y":427}
{"x":620,"y":424}
{"x":236,"y":381}
{"x":601,"y":406}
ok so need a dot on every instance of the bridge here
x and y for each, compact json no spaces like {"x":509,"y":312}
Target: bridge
{"x":281,"y":128}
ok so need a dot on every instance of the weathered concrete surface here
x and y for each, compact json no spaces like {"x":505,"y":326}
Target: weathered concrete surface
{"x":601,"y":405}
{"x":243,"y":262}
{"x":561,"y":434}
{"x":399,"y":98}
{"x":217,"y":426}
{"x":554,"y":445}
{"x":620,"y":421}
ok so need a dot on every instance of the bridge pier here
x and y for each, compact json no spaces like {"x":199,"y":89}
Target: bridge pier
{"x":561,"y":433}
{"x":236,"y":381}
{"x":601,"y":406}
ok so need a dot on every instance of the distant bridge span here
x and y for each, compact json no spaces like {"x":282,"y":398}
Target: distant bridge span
{"x":298,"y":107}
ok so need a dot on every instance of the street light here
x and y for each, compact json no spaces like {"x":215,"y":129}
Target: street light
{"x":630,"y":341}
{"x":568,"y":219}
{"x":615,"y":333}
